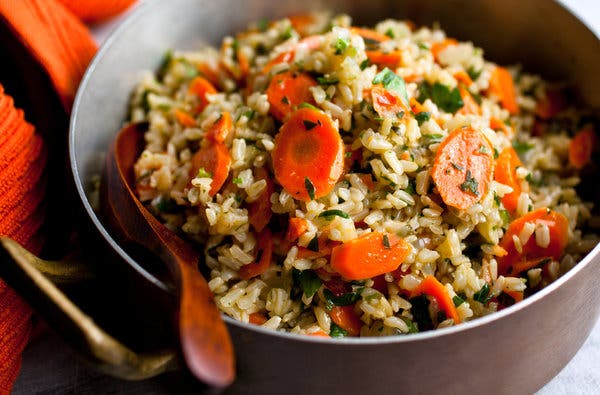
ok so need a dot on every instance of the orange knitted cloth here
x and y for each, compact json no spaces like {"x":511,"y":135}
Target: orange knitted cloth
{"x":62,"y":46}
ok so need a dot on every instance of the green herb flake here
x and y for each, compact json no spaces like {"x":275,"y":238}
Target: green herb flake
{"x":483,"y":295}
{"x":521,"y":147}
{"x":333,"y":213}
{"x":457,"y":167}
{"x":470,"y":185}
{"x":497,"y":200}
{"x":313,"y":245}
{"x":308,"y":105}
{"x":347,"y":299}
{"x":533,"y":181}
{"x":166,"y":205}
{"x":423,"y":46}
{"x":386,"y":241}
{"x":412,"y":328}
{"x":250,"y":114}
{"x":457,"y":301}
{"x":474,"y":74}
{"x":422,"y":117}
{"x":393,"y":82}
{"x":364,"y":64}
{"x":341,"y":44}
{"x":348,"y":154}
{"x":310,"y":125}
{"x":411,"y":188}
{"x":327,"y":80}
{"x":262,"y":24}
{"x":433,"y":138}
{"x":237,"y":180}
{"x":203,"y":173}
{"x":445,"y":98}
{"x":390,"y":33}
{"x":308,"y":281}
{"x":496,"y":153}
{"x":310,"y":188}
{"x":505,"y":215}
{"x":336,"y":331}
{"x":482,"y":149}
{"x":287,"y":34}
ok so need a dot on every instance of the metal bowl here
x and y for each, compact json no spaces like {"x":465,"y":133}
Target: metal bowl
{"x":513,"y":351}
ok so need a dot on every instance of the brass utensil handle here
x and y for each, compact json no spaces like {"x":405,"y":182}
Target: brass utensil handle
{"x":21,"y":270}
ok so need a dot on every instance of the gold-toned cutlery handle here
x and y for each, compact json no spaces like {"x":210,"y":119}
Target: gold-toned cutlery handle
{"x":30,"y":277}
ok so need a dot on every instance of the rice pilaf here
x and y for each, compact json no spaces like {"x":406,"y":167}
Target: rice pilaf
{"x":348,"y":181}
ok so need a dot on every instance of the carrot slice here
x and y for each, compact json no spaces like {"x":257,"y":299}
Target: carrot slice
{"x":346,"y":318}
{"x":324,"y":248}
{"x":215,"y":159}
{"x":432,"y":287}
{"x":201,"y":87}
{"x":257,"y":318}
{"x":581,"y":147}
{"x":524,"y":265}
{"x":506,"y":173}
{"x":462,"y":169}
{"x":503,"y":86}
{"x":470,"y":106}
{"x":391,"y":59}
{"x":387,"y":103}
{"x":463,"y":77}
{"x":296,"y":227}
{"x":301,"y":23}
{"x":558,"y":227}
{"x":438,"y":47}
{"x":319,"y":333}
{"x":369,"y":35}
{"x":209,"y":73}
{"x":184,"y":118}
{"x":288,"y":90}
{"x":259,"y":211}
{"x":516,"y":295}
{"x":221,"y":128}
{"x":305,"y":44}
{"x":244,"y":63}
{"x":497,"y":124}
{"x":369,"y":255}
{"x":263,"y":258}
{"x":308,"y":157}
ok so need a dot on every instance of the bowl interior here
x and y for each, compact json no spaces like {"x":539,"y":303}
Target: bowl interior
{"x":101,"y":105}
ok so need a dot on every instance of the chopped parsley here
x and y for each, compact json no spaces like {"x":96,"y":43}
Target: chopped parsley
{"x":411,"y":188}
{"x":341,"y":45}
{"x":482,"y":149}
{"x":386,"y":241}
{"x":336,"y":331}
{"x":166,"y":205}
{"x":423,"y":46}
{"x":237,"y":180}
{"x":250,"y":114}
{"x":364,"y":64}
{"x":533,"y":181}
{"x":203,"y":173}
{"x":521,"y":147}
{"x":470,"y":185}
{"x":483,"y":295}
{"x":308,"y":105}
{"x":310,"y":125}
{"x":457,"y":167}
{"x":433,"y":138}
{"x":393,"y":82}
{"x":327,"y":80}
{"x":457,"y":300}
{"x":445,"y":98}
{"x":308,"y":281}
{"x":313,"y":245}
{"x":346,"y":299}
{"x":412,"y":328}
{"x":423,"y":116}
{"x":310,"y":188}
{"x":262,"y":24}
{"x":390,"y":33}
{"x":333,"y":213}
{"x":420,"y":312}
{"x":287,"y":34}
{"x":474,"y":74}
{"x":505,"y":215}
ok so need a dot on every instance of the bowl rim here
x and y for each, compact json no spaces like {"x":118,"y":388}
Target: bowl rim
{"x":138,"y":12}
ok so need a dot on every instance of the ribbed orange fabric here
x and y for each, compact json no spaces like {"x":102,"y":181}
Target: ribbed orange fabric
{"x":96,"y":10}
{"x":55,"y":37}
{"x":63,"y":47}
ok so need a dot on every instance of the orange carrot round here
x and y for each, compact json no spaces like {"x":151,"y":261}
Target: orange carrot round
{"x":296,"y":227}
{"x":257,"y":318}
{"x":221,"y":128}
{"x":288,"y":90}
{"x":502,"y":85}
{"x":463,"y":77}
{"x":438,"y":47}
{"x":387,"y":103}
{"x":369,"y":34}
{"x":263,"y":258}
{"x":201,"y":87}
{"x":369,"y":255}
{"x":215,"y":159}
{"x":259,"y":211}
{"x":308,"y":157}
{"x":319,"y":333}
{"x":470,"y":106}
{"x":558,"y":227}
{"x":432,"y":287}
{"x":184,"y":118}
{"x":581,"y":148}
{"x":506,"y":173}
{"x":346,"y":318}
{"x":462,"y":169}
{"x":391,"y":59}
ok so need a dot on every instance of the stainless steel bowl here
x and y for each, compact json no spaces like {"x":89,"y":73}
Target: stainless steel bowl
{"x":513,"y":351}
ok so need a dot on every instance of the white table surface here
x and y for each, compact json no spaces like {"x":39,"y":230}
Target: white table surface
{"x":580,"y":376}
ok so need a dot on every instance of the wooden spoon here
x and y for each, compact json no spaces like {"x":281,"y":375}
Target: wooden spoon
{"x":205,"y":341}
